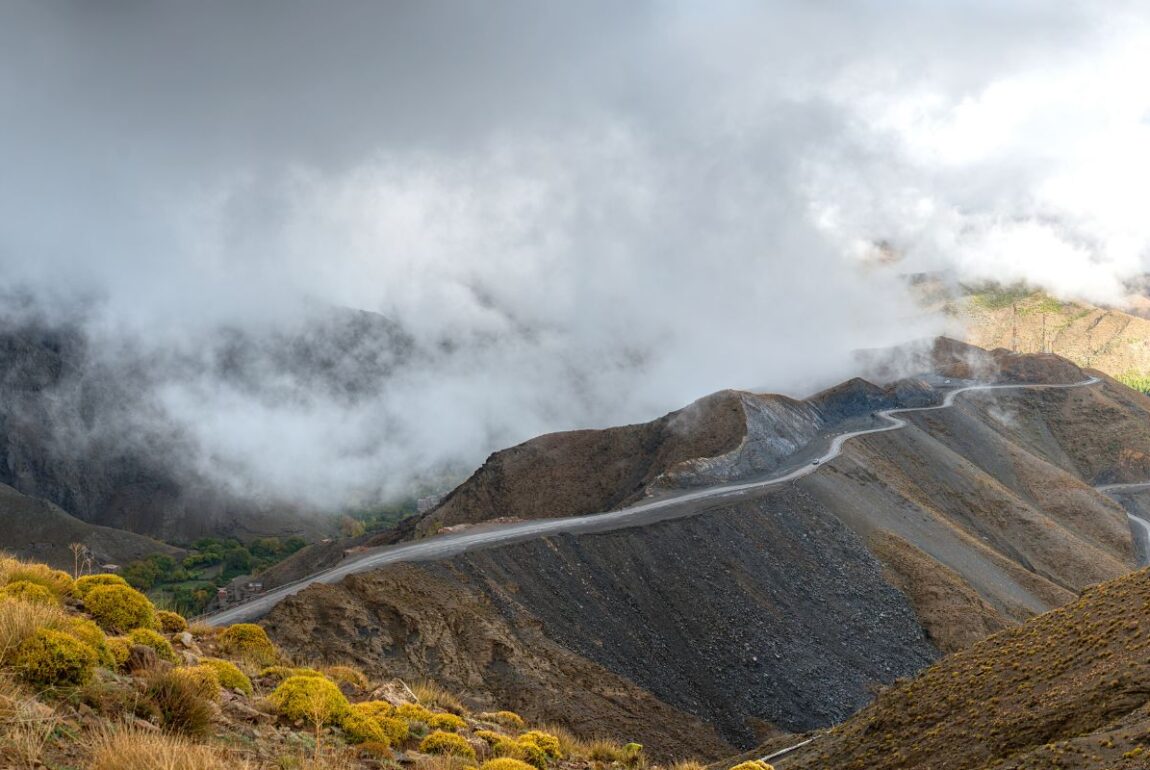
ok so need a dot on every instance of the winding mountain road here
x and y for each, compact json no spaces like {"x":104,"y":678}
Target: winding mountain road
{"x":674,"y":506}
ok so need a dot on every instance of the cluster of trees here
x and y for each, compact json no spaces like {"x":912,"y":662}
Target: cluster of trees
{"x":211,"y":563}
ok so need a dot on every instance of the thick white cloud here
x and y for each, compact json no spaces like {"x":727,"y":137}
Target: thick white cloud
{"x":582,"y":214}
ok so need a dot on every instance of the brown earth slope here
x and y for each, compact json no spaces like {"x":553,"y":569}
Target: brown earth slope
{"x":1069,"y":689}
{"x":1107,"y":339}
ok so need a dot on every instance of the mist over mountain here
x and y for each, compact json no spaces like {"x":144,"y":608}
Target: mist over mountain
{"x":535,"y":219}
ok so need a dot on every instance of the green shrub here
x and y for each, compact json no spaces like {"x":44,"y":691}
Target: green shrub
{"x":440,"y":742}
{"x":548,"y":743}
{"x":508,"y":718}
{"x":150,"y":638}
{"x":364,"y":729}
{"x":171,"y":622}
{"x":413,"y":712}
{"x":203,"y":678}
{"x":56,"y":581}
{"x":177,"y":700}
{"x":120,"y":647}
{"x":489,"y":736}
{"x":505,"y":763}
{"x":229,"y":675}
{"x":55,"y":658}
{"x":27,"y":591}
{"x":120,"y":608}
{"x":250,"y":642}
{"x":448,"y":722}
{"x":529,"y":752}
{"x":90,"y":634}
{"x":281,"y":673}
{"x":86,"y":583}
{"x":754,"y":764}
{"x":380,"y":714}
{"x":309,"y":698}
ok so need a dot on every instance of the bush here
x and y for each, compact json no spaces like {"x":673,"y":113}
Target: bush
{"x":446,"y":722}
{"x":248,"y":641}
{"x":229,"y":675}
{"x":508,"y":718}
{"x":413,"y":712}
{"x":179,"y":702}
{"x":375,"y":708}
{"x":54,"y":658}
{"x":754,"y":764}
{"x":203,"y":678}
{"x":90,"y":634}
{"x":19,"y":620}
{"x":86,"y":583}
{"x":440,"y":742}
{"x":56,"y":581}
{"x":171,"y":622}
{"x":548,"y":743}
{"x":490,"y":737}
{"x":150,"y":638}
{"x":361,"y":728}
{"x":505,"y":763}
{"x":120,"y":647}
{"x":309,"y":698}
{"x":120,"y":608}
{"x":27,"y":591}
{"x":281,"y":673}
{"x":529,"y":752}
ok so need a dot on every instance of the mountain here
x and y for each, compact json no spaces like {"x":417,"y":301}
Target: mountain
{"x":84,"y":425}
{"x":40,"y":530}
{"x":776,"y":610}
{"x":1068,"y":689}
{"x":1112,"y":340}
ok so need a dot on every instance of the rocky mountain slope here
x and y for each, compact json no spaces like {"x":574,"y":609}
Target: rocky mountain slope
{"x":1069,"y":689}
{"x":779,"y":610}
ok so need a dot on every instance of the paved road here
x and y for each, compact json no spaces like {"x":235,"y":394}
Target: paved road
{"x":1141,"y":526}
{"x":684,"y":504}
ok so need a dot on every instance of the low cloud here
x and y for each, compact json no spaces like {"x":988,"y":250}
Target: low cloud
{"x":563,"y":217}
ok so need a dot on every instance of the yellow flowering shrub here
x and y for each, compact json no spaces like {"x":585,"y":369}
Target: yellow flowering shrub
{"x":149,"y":638}
{"x":229,"y":675}
{"x":310,"y":698}
{"x":119,"y":608}
{"x":439,"y":742}
{"x":27,"y":591}
{"x":51,"y":657}
{"x":86,"y":583}
{"x":171,"y":622}
{"x":250,"y":642}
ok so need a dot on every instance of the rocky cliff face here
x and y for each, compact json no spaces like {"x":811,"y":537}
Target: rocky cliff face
{"x":781,"y":609}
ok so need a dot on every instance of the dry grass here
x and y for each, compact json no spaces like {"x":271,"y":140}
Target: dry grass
{"x":19,"y":620}
{"x":26,"y":726}
{"x":443,"y":762}
{"x":126,"y":749}
{"x":431,"y":695}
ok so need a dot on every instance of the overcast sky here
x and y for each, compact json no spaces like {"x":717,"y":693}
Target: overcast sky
{"x":605,"y":209}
